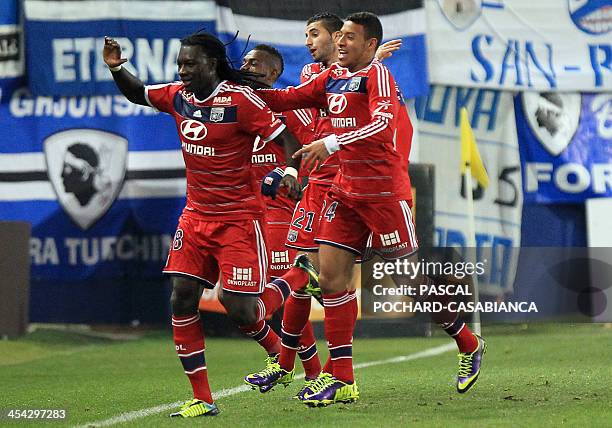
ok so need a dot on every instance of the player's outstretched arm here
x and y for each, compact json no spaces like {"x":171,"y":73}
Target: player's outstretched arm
{"x":386,"y":49}
{"x":128,"y":84}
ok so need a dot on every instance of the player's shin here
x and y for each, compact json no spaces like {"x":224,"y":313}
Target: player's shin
{"x":295,"y":318}
{"x":308,"y":353}
{"x":340,"y":317}
{"x":264,"y":335}
{"x":189,"y":342}
{"x":274,"y":295}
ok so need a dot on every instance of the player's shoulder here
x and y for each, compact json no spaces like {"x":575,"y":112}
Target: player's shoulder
{"x":377,"y":66}
{"x":311,"y":70}
{"x":169,"y":86}
{"x":234,"y":93}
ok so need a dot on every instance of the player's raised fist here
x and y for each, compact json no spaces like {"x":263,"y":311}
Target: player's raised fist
{"x":112,"y":53}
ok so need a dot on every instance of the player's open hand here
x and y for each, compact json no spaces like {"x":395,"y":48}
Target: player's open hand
{"x":112,"y":53}
{"x":313,"y":153}
{"x":386,"y":49}
{"x":291,"y":187}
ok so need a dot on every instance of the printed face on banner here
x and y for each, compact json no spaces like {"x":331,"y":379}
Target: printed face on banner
{"x":553,"y":117}
{"x":591,"y":16}
{"x":461,"y":13}
{"x":86,"y":168}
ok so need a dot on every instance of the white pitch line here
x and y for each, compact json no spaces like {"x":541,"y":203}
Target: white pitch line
{"x":137,"y":414}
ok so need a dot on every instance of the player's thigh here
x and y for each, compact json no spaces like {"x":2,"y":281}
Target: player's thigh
{"x":342,"y":228}
{"x":189,"y":257}
{"x":336,"y":268}
{"x":393,"y":233}
{"x":280,"y":257}
{"x":242,"y":256}
{"x":240,"y":308}
{"x":306,"y":216}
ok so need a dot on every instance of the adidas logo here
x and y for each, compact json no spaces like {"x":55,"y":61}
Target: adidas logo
{"x":198,"y":113}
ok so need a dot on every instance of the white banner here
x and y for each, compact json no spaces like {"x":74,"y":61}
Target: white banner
{"x":521,"y":45}
{"x":498,"y":208}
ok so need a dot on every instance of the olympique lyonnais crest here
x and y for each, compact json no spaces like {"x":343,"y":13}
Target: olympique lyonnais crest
{"x":591,"y":16}
{"x":354,"y":85}
{"x":461,"y":13}
{"x":86,"y":168}
{"x":216,"y":114}
{"x":553,"y":117}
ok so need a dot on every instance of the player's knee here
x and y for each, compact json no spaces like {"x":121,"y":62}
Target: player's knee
{"x":333,"y":283}
{"x":241,"y":312}
{"x":242,"y":317}
{"x":185,"y":297}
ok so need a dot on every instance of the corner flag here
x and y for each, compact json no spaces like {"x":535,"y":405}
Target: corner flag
{"x":470,"y":157}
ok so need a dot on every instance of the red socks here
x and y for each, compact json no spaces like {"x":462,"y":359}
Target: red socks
{"x":458,"y":330}
{"x":189,"y":342}
{"x":308,"y":352}
{"x":296,"y":278}
{"x":264,"y":335}
{"x":340,"y":318}
{"x":295,"y":317}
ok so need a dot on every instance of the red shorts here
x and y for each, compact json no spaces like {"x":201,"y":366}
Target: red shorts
{"x":280,"y":258}
{"x":364,"y":228}
{"x":201,"y":249}
{"x":305,"y":222}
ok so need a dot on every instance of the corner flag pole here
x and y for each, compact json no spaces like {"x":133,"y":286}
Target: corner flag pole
{"x":471,"y":166}
{"x":471,"y":241}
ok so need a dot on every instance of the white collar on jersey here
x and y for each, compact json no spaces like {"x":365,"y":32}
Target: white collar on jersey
{"x":349,"y":74}
{"x":213,"y":93}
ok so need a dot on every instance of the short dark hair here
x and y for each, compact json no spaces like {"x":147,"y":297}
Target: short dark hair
{"x":331,"y":22}
{"x":370,"y":23}
{"x":271,"y":50}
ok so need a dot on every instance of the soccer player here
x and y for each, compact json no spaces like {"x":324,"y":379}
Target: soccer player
{"x":321,"y":33}
{"x":219,"y":230}
{"x":369,"y":203}
{"x":268,"y":158}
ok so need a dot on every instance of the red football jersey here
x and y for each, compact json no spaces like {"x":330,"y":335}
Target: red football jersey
{"x":267,"y":156}
{"x":217,"y":137}
{"x":363,"y":109}
{"x":404,"y":131}
{"x":327,"y":171}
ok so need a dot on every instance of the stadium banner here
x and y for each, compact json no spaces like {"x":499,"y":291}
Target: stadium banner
{"x":498,"y":207}
{"x":561,"y":45}
{"x":65,"y":56}
{"x":566,"y":146}
{"x":11,"y":48}
{"x":100,"y":179}
{"x":282,"y":24}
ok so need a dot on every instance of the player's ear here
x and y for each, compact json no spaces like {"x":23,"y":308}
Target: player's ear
{"x":213,"y":63}
{"x":373,"y":44}
{"x":336,"y":35}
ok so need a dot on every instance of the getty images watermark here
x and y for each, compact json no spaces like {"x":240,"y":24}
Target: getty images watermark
{"x":434,"y":286}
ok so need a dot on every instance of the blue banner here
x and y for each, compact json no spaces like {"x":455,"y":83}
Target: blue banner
{"x":11,"y":48}
{"x":65,"y":57}
{"x":100,"y":179}
{"x":566,"y":146}
{"x":282,"y":25}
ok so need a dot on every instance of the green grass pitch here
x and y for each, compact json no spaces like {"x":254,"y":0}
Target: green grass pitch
{"x":536,"y":375}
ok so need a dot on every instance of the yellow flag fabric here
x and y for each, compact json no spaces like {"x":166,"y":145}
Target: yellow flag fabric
{"x":469,"y":152}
